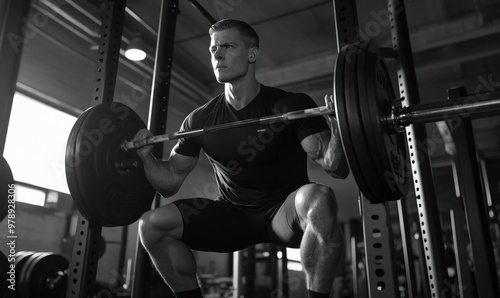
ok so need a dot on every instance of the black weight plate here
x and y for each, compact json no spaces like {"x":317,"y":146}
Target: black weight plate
{"x":339,"y":79}
{"x":71,"y":165}
{"x":42,"y":268}
{"x":21,"y":258}
{"x":373,"y":190}
{"x":24,"y":273}
{"x":6,"y":187}
{"x":388,"y":148}
{"x":107,"y":196}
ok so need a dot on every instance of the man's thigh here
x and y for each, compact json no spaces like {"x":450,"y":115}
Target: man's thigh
{"x":218,"y":226}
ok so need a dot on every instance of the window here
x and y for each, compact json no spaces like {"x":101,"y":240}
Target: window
{"x":36,"y":144}
{"x":30,"y":195}
{"x":293,"y":256}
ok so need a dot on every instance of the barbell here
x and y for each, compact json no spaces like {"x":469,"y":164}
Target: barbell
{"x":109,"y":186}
{"x":36,"y":274}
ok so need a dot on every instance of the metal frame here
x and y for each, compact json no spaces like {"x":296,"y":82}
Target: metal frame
{"x":379,"y":250}
{"x":12,"y":13}
{"x":404,"y":224}
{"x":83,"y":265}
{"x":465,"y":286}
{"x":471,"y":189}
{"x":157,"y":122}
{"x":346,"y":22}
{"x":420,"y":162}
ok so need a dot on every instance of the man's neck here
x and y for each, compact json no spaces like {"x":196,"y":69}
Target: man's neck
{"x":240,"y":94}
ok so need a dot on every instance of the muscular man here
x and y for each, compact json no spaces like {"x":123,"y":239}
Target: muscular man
{"x":261,"y":172}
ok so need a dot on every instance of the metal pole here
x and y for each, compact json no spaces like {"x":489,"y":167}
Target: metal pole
{"x":83,"y":265}
{"x":465,"y":286}
{"x":284,"y":273}
{"x":420,"y":162}
{"x":12,"y":13}
{"x":346,"y":22}
{"x":238,"y":274}
{"x":379,"y":250}
{"x":475,"y":206}
{"x":157,"y":122}
{"x":203,"y":11}
{"x":409,"y":258}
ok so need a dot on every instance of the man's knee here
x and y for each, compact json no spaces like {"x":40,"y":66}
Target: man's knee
{"x":156,"y":224}
{"x":148,"y":228}
{"x":317,"y":208}
{"x":316,"y":198}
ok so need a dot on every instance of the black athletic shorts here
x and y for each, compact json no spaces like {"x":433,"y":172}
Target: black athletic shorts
{"x":220,"y":226}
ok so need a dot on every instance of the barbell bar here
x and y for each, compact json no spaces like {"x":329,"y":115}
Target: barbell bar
{"x":294,"y":115}
{"x":478,"y":105}
{"x":109,"y":186}
{"x":398,"y":118}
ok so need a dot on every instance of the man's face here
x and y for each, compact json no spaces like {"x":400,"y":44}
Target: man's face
{"x":230,"y":56}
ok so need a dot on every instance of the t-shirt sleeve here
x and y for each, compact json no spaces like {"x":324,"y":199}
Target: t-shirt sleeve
{"x":307,"y":126}
{"x":188,"y":146}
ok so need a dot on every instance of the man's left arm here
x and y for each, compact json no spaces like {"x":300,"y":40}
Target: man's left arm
{"x":325,"y":148}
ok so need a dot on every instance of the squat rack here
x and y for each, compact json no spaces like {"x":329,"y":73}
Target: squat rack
{"x":381,"y":275}
{"x":380,"y":263}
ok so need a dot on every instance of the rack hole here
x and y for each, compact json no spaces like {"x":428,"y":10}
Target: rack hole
{"x":380,"y":285}
{"x":379,"y":272}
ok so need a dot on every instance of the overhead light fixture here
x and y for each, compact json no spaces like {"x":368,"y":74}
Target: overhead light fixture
{"x":134,"y":50}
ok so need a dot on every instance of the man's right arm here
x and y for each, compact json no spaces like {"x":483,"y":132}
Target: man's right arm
{"x":166,"y":176}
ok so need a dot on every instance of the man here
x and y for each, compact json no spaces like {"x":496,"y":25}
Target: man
{"x":261,"y":171}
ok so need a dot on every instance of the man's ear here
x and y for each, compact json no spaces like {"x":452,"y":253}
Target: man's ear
{"x":253,"y":53}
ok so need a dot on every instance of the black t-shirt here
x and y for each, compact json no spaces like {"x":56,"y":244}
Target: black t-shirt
{"x":256,"y":164}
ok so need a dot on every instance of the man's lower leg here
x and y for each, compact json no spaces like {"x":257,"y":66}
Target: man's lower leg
{"x":320,"y":256}
{"x":176,"y":264}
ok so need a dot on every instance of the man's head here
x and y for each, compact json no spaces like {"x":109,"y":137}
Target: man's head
{"x":234,"y":48}
{"x":247,"y":33}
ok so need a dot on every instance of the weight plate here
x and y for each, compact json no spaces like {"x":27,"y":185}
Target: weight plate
{"x":104,"y":194}
{"x":388,"y":148}
{"x":363,"y":98}
{"x":21,"y":258}
{"x":356,"y":128}
{"x":340,"y":99}
{"x":5,"y":267}
{"x":70,"y":166}
{"x":44,"y":276}
{"x":27,"y":260}
{"x":6,"y":187}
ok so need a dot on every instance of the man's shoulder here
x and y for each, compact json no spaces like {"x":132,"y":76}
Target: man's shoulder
{"x":208,"y":107}
{"x":282,"y":97}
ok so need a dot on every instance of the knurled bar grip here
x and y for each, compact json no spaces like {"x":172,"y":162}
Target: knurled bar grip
{"x":313,"y":112}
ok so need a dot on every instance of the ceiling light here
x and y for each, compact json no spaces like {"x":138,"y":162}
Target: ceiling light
{"x":134,"y":51}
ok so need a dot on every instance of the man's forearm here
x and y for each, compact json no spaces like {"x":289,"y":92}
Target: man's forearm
{"x":160,"y":176}
{"x":334,"y":160}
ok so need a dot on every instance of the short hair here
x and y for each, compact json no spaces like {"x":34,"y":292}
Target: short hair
{"x":252,"y":39}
